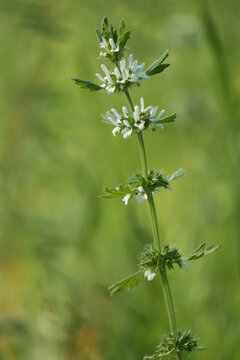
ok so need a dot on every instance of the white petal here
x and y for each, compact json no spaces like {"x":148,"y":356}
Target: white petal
{"x":106,"y":72}
{"x":142,"y":74}
{"x":150,"y":107}
{"x":117,"y":73}
{"x":114,"y":111}
{"x":135,"y":64}
{"x":141,"y":125}
{"x":141,"y":189}
{"x":103,"y":44}
{"x":154,"y":110}
{"x":112,"y":43}
{"x":116,"y":130}
{"x":141,"y":67}
{"x":130,"y":61}
{"x":112,"y":121}
{"x":125,"y":112}
{"x":109,"y":89}
{"x":149,"y":275}
{"x":126,"y":123}
{"x":100,"y":78}
{"x":122,"y":65}
{"x":160,"y":114}
{"x":126,"y":133}
{"x":136,"y":108}
{"x":126,"y":198}
{"x":141,"y":198}
{"x":142,"y":104}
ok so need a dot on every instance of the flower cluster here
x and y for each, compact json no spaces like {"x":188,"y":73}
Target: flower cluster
{"x":127,"y":123}
{"x":151,"y":259}
{"x":122,"y":77}
{"x":174,"y":344}
{"x":108,"y":47}
{"x":112,"y":43}
{"x":140,"y":187}
{"x":140,"y":195}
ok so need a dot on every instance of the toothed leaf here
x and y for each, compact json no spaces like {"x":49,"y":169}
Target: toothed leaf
{"x":177,"y":174}
{"x":84,"y":84}
{"x":122,"y":27}
{"x":156,"y":67}
{"x":99,"y":35}
{"x":166,"y":119}
{"x":201,"y":251}
{"x":115,"y":192}
{"x":126,"y":284}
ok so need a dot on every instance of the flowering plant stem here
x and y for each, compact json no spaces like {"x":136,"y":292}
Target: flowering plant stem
{"x":143,"y":185}
{"x":156,"y":236}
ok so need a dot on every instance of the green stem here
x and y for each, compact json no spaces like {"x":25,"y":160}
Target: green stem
{"x":156,"y":237}
{"x":142,"y":154}
{"x":169,"y":301}
{"x":129,"y":99}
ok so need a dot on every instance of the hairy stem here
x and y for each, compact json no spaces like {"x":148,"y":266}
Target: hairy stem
{"x":156,"y":237}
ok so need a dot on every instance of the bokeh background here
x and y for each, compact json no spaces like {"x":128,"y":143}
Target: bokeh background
{"x":61,"y":245}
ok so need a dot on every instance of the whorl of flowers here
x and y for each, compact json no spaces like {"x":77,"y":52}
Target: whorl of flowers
{"x":174,"y":344}
{"x":111,"y":42}
{"x":122,"y":77}
{"x":127,"y":123}
{"x":139,"y":187}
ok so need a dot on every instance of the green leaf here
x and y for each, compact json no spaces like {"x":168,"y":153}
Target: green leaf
{"x":177,"y":174}
{"x":84,"y":84}
{"x":122,"y":27}
{"x":156,"y":67}
{"x":125,"y":38}
{"x":105,"y":23}
{"x":99,"y":35}
{"x":166,"y":119}
{"x":115,"y":192}
{"x":125,"y":284}
{"x":201,"y":251}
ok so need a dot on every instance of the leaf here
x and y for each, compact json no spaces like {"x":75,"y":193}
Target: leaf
{"x":105,"y":23}
{"x":126,"y":284}
{"x":115,"y":192}
{"x":125,"y":38}
{"x":84,"y":84}
{"x":122,"y":27}
{"x":201,"y":251}
{"x":156,"y":67}
{"x":177,"y":174}
{"x":166,"y":119}
{"x":99,"y":35}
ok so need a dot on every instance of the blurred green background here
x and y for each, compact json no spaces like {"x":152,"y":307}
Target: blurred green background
{"x":61,"y":245}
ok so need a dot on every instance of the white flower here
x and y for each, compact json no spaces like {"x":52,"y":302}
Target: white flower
{"x":104,"y":44}
{"x":126,"y":132}
{"x":126,"y":123}
{"x":121,"y":77}
{"x":149,"y":274}
{"x":116,"y":130}
{"x":113,"y":46}
{"x":108,"y":46}
{"x":138,"y":123}
{"x":151,"y":112}
{"x":141,"y":196}
{"x":126,"y":198}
